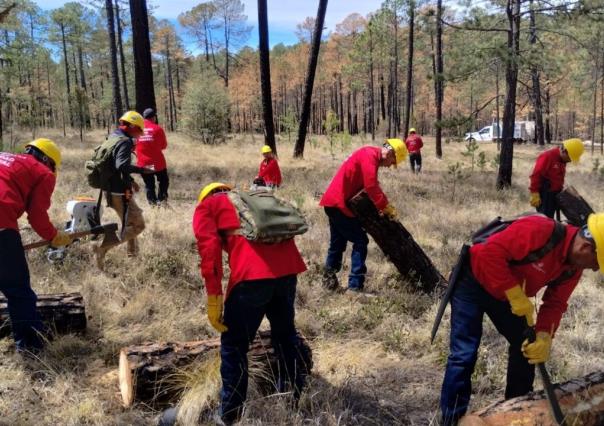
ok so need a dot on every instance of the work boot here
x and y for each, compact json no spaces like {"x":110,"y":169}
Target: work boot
{"x":132,"y":248}
{"x":99,"y":256}
{"x":330,"y":280}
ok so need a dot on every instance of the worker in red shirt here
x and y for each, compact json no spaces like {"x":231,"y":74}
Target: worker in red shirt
{"x":547,"y":179}
{"x":414,"y":146}
{"x":149,"y":154}
{"x":498,"y":280}
{"x":27,"y":182}
{"x":262,"y":282}
{"x":359,"y":171}
{"x":269,"y":173}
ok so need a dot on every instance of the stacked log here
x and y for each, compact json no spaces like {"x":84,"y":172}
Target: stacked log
{"x":61,"y":313}
{"x":398,"y":245}
{"x":147,"y":372}
{"x":581,"y":401}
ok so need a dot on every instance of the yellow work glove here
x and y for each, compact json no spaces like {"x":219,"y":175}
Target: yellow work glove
{"x":215,"y":312}
{"x":61,"y":239}
{"x":535,"y":199}
{"x":390,"y":211}
{"x":538,"y":351}
{"x":521,"y":305}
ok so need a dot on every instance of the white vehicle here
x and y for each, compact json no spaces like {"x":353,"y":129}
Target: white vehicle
{"x":491,"y":133}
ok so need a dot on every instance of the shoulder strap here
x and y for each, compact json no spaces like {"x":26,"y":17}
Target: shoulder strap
{"x":556,"y":238}
{"x":561,"y":278}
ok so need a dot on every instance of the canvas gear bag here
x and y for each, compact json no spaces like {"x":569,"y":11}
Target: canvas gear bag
{"x":266,"y":218}
{"x":99,"y":168}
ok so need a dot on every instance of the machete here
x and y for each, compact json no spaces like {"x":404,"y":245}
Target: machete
{"x":444,"y":301}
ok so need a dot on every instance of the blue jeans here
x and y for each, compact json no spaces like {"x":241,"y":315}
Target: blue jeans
{"x":244,"y":310}
{"x":343,"y":229}
{"x":469,"y":303}
{"x":21,"y":299}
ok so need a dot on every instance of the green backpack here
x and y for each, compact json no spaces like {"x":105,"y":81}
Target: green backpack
{"x":99,"y":169}
{"x":265,"y":218}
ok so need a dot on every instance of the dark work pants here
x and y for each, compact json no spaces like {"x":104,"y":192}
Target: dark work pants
{"x":469,"y":303}
{"x":244,"y":309}
{"x":549,"y":202}
{"x":343,"y":229}
{"x":415,"y":161}
{"x":163,"y":183}
{"x":15,"y":285}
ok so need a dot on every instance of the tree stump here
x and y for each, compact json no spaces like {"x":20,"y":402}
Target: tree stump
{"x":148,"y":372}
{"x":574,"y":206}
{"x":581,"y":400}
{"x":61,"y":312}
{"x":398,"y":245}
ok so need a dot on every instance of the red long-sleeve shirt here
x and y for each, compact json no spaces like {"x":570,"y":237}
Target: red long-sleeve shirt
{"x":359,"y":171}
{"x":414,"y":143}
{"x":270,"y":172}
{"x":150,"y":145}
{"x":549,"y":166}
{"x":216,"y":215}
{"x":26,"y":185}
{"x":491,"y":266}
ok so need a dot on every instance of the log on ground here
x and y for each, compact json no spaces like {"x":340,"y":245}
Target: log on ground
{"x":61,"y":313}
{"x":573,"y":206}
{"x":149,"y":372}
{"x":581,"y":401}
{"x":398,"y":245}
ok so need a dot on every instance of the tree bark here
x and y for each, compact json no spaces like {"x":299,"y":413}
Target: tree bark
{"x":120,"y":46}
{"x":310,"y":79}
{"x":66,"y":62}
{"x":371,"y":118}
{"x":115,"y":79}
{"x":141,"y":46}
{"x":439,"y":78}
{"x":61,"y":312}
{"x":265,"y":76}
{"x":409,"y":67}
{"x":536,"y":89}
{"x":398,"y":245}
{"x":581,"y":400}
{"x":148,"y":372}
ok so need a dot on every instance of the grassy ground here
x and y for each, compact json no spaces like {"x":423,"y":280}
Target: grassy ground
{"x":374,"y":363}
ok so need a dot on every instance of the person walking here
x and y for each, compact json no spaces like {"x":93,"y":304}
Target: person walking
{"x":27,"y":182}
{"x":149,"y":155}
{"x":547,"y":178}
{"x":359,"y":171}
{"x":414,"y":145}
{"x":497,"y":279}
{"x":262,"y":282}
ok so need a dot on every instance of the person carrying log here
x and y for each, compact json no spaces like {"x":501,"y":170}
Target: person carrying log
{"x":269,"y":174}
{"x":497,"y":278}
{"x":414,"y":145}
{"x":262,"y":282}
{"x":359,"y":171}
{"x":120,"y":187}
{"x":547,"y":178}
{"x":27,"y":182}
{"x":149,"y":154}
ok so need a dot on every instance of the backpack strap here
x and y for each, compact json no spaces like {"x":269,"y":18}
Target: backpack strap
{"x":561,"y":278}
{"x":558,"y":235}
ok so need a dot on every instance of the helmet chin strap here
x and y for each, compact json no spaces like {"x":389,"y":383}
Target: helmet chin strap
{"x":41,"y":157}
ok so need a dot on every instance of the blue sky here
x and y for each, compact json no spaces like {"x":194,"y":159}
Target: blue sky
{"x":283,"y":15}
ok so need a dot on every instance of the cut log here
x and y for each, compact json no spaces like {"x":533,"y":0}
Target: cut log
{"x":149,"y":372}
{"x":398,"y":245}
{"x":574,"y":206}
{"x":61,"y":313}
{"x":581,"y":400}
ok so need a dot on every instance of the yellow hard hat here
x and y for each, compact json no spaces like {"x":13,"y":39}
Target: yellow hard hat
{"x":575,"y":149}
{"x":207,"y":190}
{"x":412,"y":130}
{"x":48,"y":148}
{"x":595,"y":226}
{"x":400,"y":149}
{"x":134,"y":118}
{"x":266,"y":149}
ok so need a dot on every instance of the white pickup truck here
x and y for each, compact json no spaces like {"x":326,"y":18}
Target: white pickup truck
{"x":490,"y":133}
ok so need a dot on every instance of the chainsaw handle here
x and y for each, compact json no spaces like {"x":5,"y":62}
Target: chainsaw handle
{"x":100,"y":229}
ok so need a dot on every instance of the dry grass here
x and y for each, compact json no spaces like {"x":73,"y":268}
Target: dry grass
{"x":374,"y":363}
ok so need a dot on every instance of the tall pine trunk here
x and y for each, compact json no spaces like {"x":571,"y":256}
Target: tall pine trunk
{"x":141,"y":46}
{"x":409,"y":67}
{"x":120,"y":46}
{"x":536,"y":89}
{"x":66,"y":61}
{"x":115,"y":79}
{"x":310,"y":79}
{"x":265,"y":77}
{"x":439,"y":78}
